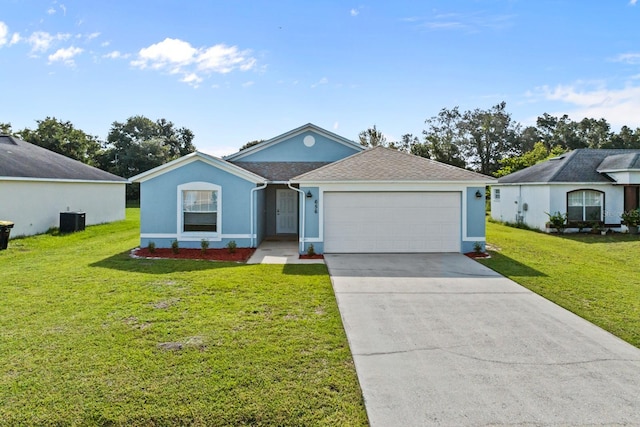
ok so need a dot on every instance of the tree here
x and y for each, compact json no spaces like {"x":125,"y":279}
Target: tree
{"x":251,"y":144}
{"x":63,"y":138}
{"x":488,"y":136}
{"x":140,"y":144}
{"x":5,"y":129}
{"x":372,"y":137}
{"x":538,"y":154}
{"x":442,"y":138}
{"x":626,"y":138}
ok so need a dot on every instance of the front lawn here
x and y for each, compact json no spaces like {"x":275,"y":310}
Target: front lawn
{"x":90,"y":336}
{"x":596,"y":277}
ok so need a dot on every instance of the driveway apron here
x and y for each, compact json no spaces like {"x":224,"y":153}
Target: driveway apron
{"x":439,"y":339}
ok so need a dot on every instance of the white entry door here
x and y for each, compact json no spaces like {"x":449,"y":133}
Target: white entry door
{"x":286,"y":211}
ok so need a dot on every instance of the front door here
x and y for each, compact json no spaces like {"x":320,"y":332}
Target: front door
{"x":631,"y":197}
{"x":286,"y":211}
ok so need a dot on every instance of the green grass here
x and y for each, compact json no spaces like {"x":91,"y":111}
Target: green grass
{"x":596,"y":277}
{"x":82,"y":327}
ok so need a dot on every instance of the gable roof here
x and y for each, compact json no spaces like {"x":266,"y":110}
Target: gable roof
{"x":273,"y":141}
{"x":384,"y":165}
{"x":20,"y":160}
{"x":206,"y":158}
{"x":581,"y":165}
{"x":280,"y":171}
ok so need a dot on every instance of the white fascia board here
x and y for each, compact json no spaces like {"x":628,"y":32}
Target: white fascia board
{"x":585,"y":183}
{"x":390,"y":186}
{"x":193,"y":157}
{"x":393,"y":183}
{"x":292,"y":133}
{"x":85,"y":181}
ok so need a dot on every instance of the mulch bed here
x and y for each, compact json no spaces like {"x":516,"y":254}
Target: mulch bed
{"x":316,"y":256}
{"x":240,"y":254}
{"x":478,"y":255}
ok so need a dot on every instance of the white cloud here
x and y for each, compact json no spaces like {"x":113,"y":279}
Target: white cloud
{"x":51,"y":11}
{"x":336,"y":125}
{"x":618,"y":106}
{"x":15,"y":38}
{"x":92,"y":36}
{"x":192,"y":80}
{"x":4,"y":33}
{"x":176,"y":56}
{"x":629,"y":58}
{"x":633,"y":2}
{"x":224,"y":59}
{"x":322,"y":81}
{"x":248,"y":84}
{"x":116,"y":55}
{"x":354,"y":12}
{"x":65,"y":55}
{"x":42,"y":41}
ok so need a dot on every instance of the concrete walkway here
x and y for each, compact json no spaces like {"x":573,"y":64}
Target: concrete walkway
{"x":439,"y":339}
{"x":279,"y":252}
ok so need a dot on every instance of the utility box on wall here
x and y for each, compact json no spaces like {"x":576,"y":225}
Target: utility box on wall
{"x":72,"y":221}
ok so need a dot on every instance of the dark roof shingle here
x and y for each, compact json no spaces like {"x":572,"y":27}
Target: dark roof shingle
{"x":279,"y":171}
{"x":581,"y":165}
{"x":384,"y":164}
{"x":20,"y":159}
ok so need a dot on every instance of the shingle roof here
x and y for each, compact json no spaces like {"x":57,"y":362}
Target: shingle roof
{"x":20,"y":159}
{"x":580,"y":165}
{"x":384,"y":164}
{"x":280,"y":171}
{"x":624,"y":161}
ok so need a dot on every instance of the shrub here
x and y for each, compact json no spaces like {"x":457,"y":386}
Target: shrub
{"x":151,"y":247}
{"x":477,"y":247}
{"x":311,"y":250}
{"x":558,"y":221}
{"x":175,"y":247}
{"x":231,"y":247}
{"x":204,"y":245}
{"x":631,"y":218}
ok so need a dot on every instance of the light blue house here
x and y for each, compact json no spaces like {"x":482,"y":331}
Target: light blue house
{"x":318,"y":188}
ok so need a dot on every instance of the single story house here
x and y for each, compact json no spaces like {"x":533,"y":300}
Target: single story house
{"x":589,"y":185}
{"x":319,"y":188}
{"x":36,"y":185}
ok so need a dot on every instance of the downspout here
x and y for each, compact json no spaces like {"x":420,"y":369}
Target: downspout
{"x":253,"y":190}
{"x":302,"y":207}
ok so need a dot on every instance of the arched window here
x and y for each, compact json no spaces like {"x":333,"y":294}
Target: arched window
{"x":585,"y":205}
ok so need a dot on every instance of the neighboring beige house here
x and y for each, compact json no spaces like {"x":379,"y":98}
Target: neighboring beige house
{"x":36,"y":185}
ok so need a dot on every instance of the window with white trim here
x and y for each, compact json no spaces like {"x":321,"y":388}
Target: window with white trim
{"x":199,"y":208}
{"x":585,"y":205}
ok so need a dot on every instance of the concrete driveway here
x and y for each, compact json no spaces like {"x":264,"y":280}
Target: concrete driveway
{"x":439,"y":339}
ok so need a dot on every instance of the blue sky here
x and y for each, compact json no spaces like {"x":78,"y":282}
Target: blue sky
{"x":235,"y":71}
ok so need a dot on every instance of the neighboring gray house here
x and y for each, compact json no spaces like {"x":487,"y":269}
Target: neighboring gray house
{"x":319,"y":188}
{"x":37,"y":184}
{"x":589,"y":185}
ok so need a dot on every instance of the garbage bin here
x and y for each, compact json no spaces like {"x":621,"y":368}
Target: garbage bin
{"x":5,"y":231}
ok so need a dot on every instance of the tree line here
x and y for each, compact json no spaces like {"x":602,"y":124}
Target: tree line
{"x":489,"y":141}
{"x":133,"y":146}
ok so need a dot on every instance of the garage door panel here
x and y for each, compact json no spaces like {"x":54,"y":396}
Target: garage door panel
{"x":392,"y":222}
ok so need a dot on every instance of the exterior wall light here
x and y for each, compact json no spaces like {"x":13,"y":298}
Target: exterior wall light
{"x":309,"y":195}
{"x":478,"y":194}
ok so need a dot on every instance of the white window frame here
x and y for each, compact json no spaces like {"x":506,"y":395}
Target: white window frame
{"x":584,"y":206}
{"x":496,"y":194}
{"x":199,"y":235}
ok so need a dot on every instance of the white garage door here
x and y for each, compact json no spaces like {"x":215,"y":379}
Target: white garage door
{"x":391,"y":222}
